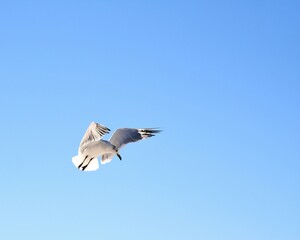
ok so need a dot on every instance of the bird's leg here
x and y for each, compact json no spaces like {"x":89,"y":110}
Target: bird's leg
{"x":83,"y":168}
{"x":79,"y":166}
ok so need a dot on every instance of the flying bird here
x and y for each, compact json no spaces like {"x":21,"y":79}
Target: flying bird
{"x":92,"y":145}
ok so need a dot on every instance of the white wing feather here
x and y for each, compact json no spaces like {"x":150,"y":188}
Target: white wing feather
{"x":123,"y":136}
{"x":94,"y":132}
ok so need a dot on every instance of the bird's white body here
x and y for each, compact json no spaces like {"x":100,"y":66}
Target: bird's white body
{"x":95,"y":149}
{"x":92,"y":146}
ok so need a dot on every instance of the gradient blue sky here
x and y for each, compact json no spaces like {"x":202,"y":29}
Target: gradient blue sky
{"x":221,"y":78}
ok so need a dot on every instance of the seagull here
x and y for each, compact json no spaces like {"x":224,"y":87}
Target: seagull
{"x":92,"y":145}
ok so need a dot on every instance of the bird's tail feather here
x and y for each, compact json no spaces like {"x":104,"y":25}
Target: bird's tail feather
{"x":92,"y":165}
{"x":77,"y":160}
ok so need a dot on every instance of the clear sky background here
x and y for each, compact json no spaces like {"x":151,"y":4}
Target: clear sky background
{"x":221,"y":78}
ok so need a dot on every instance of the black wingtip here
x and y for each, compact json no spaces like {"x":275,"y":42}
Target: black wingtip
{"x":156,"y":130}
{"x":149,"y":132}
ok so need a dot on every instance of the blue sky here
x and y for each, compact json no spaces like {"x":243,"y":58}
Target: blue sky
{"x":221,"y":78}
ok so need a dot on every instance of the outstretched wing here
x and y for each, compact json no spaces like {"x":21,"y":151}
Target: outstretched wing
{"x":94,"y":132}
{"x":123,"y":136}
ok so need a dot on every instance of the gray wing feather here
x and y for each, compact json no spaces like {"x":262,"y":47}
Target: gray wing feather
{"x":94,"y":132}
{"x":123,"y":136}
